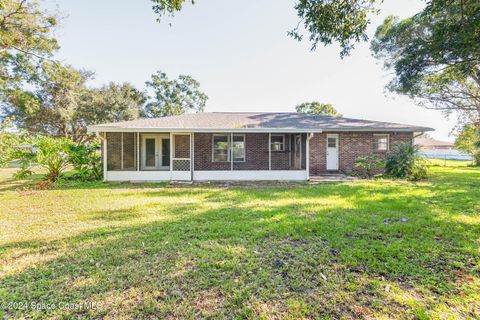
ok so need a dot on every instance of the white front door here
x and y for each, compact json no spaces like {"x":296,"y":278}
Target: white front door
{"x":332,"y":151}
{"x":156,"y":152}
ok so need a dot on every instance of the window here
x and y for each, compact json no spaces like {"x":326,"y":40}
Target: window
{"x":238,"y":148}
{"x":332,"y":142}
{"x":277,"y":142}
{"x":381,"y":142}
{"x":221,"y":148}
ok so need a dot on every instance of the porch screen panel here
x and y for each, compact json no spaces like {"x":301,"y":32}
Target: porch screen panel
{"x":129,"y":151}
{"x":181,"y":146}
{"x":121,"y":151}
{"x":114,"y":151}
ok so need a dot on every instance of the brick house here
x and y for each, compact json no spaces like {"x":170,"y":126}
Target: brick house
{"x":242,"y":146}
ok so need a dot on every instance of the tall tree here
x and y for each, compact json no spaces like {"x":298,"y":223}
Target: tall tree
{"x":173,"y":97}
{"x":26,"y":39}
{"x":60,"y":104}
{"x":325,"y":109}
{"x":468,"y":141}
{"x":435,"y":56}
{"x":325,"y":21}
{"x":110,"y":103}
{"x":48,"y":106}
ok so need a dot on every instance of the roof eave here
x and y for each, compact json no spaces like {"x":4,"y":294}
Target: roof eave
{"x":93,"y":129}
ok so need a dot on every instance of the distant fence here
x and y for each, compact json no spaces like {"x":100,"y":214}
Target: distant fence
{"x":444,"y":154}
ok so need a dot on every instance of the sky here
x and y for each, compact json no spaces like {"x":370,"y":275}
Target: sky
{"x":240,"y":53}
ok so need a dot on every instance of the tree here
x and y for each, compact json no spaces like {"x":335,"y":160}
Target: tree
{"x":50,"y":105}
{"x":468,"y":141}
{"x":10,"y":140}
{"x":26,"y":39}
{"x":435,"y":56}
{"x":174,"y":97}
{"x":315,"y":107}
{"x":110,"y":103}
{"x":326,"y":21}
{"x":60,"y":104}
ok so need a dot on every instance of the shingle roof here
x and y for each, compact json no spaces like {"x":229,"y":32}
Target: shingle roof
{"x":254,"y":121}
{"x":430,"y":142}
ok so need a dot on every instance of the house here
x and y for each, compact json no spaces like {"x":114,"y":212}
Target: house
{"x":434,"y":149}
{"x":427,"y":142}
{"x":242,"y":146}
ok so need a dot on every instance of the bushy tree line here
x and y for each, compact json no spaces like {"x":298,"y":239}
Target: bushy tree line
{"x":46,"y":97}
{"x":46,"y":106}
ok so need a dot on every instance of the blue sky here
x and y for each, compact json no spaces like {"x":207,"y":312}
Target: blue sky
{"x":240,"y":53}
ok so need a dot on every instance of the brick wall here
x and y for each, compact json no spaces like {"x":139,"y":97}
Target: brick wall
{"x":351,"y":146}
{"x":281,"y":159}
{"x":182,"y":146}
{"x":256,"y":153}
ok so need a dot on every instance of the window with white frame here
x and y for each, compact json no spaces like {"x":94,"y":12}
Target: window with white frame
{"x":222,"y":145}
{"x":381,"y":142}
{"x":238,"y":148}
{"x":277,"y":142}
{"x":220,"y":148}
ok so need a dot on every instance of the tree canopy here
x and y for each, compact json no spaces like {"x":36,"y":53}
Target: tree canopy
{"x":326,"y":21}
{"x":60,"y":104}
{"x":26,"y":39}
{"x":315,"y":107}
{"x":435,"y":56}
{"x":173,"y":97}
{"x":468,"y":141}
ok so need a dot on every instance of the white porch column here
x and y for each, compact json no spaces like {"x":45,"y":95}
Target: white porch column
{"x":231,"y":151}
{"x":121,"y":148}
{"x":105,"y":157}
{"x":307,"y":154}
{"x":138,"y":151}
{"x":269,"y":151}
{"x":171,"y":153}
{"x":192,"y":154}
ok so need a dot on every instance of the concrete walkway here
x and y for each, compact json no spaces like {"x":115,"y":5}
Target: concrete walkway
{"x":337,"y":177}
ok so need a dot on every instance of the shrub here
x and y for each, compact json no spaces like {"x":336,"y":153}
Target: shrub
{"x":404,"y":161}
{"x":86,"y":162}
{"x":368,"y":166}
{"x":51,"y":154}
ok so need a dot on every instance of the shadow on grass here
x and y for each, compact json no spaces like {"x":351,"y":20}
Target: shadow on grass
{"x":309,"y":251}
{"x":296,"y":257}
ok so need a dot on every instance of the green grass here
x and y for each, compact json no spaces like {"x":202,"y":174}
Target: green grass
{"x":367,"y":249}
{"x":449,"y":163}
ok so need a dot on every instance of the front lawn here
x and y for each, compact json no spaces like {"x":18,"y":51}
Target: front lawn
{"x":368,"y":249}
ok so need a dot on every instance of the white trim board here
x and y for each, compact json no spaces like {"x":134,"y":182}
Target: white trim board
{"x":147,"y":175}
{"x":249,"y":175}
{"x":208,"y":175}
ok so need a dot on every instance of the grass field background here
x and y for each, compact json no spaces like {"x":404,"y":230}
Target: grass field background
{"x":366,"y":249}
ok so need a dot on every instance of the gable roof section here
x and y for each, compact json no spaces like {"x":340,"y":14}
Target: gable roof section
{"x":253,"y":122}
